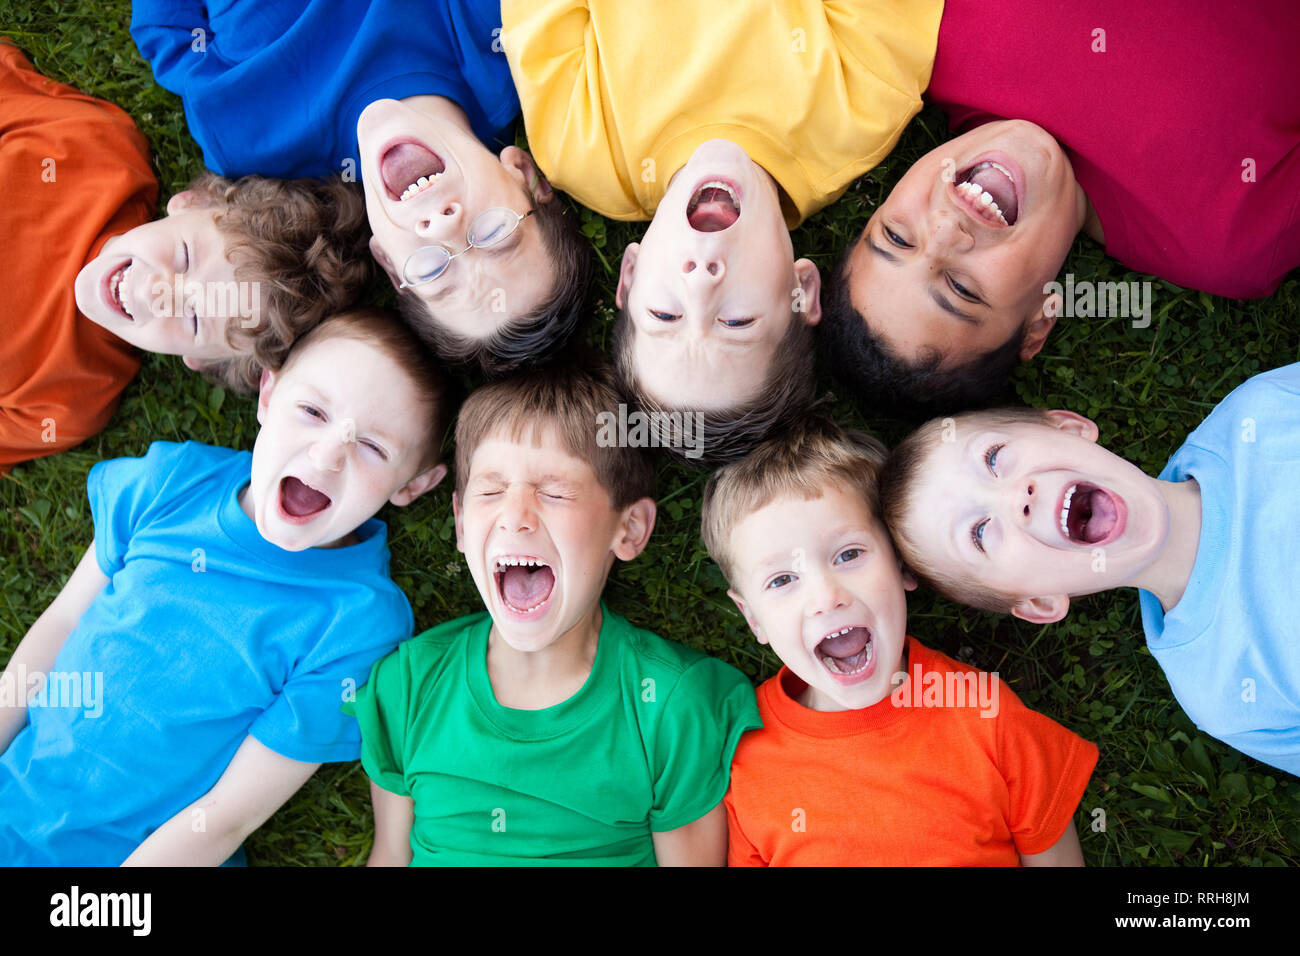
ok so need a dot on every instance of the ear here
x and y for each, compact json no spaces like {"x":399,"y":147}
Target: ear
{"x":191,"y":363}
{"x":460,"y":523}
{"x":1073,"y":424}
{"x":749,"y":615}
{"x":810,"y":285}
{"x":385,"y":263}
{"x":1042,"y":610}
{"x":418,"y":485}
{"x":634,"y":530}
{"x":264,"y":388}
{"x":1039,"y":325}
{"x":519,"y":160}
{"x":625,"y":272}
{"x":909,"y":582}
{"x":186,"y":199}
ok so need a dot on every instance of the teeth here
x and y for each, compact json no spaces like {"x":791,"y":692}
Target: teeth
{"x":974,"y":194}
{"x":118,"y":283}
{"x":1065,"y":511}
{"x":419,"y":186}
{"x":511,"y":562}
{"x":717,"y":184}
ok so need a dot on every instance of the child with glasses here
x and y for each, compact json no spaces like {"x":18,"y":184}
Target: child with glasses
{"x":421,"y":115}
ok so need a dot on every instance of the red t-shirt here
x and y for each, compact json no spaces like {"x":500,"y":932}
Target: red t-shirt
{"x":76,"y":173}
{"x":918,"y":779}
{"x":1159,"y":127}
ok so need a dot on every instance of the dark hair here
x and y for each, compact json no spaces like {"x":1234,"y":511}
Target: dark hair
{"x":304,"y":241}
{"x":535,"y":335}
{"x":569,"y":397}
{"x":728,"y":434}
{"x":386,"y":331}
{"x":880,"y":380}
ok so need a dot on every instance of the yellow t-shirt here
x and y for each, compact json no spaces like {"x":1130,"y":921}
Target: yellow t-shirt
{"x":617,"y":94}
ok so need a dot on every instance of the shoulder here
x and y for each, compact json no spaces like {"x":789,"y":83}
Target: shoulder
{"x":666,"y":662}
{"x":168,"y":470}
{"x":429,"y":650}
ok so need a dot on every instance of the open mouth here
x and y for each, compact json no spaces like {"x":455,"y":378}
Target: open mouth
{"x":119,"y":289}
{"x":300,"y":501}
{"x":989,"y":190}
{"x":715,"y":206}
{"x":525,"y":584}
{"x":408,"y":169}
{"x":847,"y":653}
{"x":1090,"y":515}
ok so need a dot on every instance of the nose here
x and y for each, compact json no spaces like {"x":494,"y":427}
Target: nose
{"x":826,"y":594}
{"x":948,"y":233}
{"x":1026,"y":502}
{"x":517,"y":512}
{"x":710,"y":269}
{"x":328,"y":452}
{"x":441,"y":222}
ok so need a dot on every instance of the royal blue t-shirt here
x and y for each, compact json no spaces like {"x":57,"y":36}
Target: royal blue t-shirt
{"x":275,"y":87}
{"x":1231,"y":646}
{"x":205,"y":633}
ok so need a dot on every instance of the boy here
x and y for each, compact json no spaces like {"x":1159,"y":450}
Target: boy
{"x":873,"y":749}
{"x":1018,"y":510}
{"x":89,"y":276}
{"x":728,"y":127}
{"x":547,"y":729}
{"x":953,"y":281}
{"x":415,"y":97}
{"x":188,"y":678}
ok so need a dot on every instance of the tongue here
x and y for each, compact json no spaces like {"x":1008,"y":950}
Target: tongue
{"x":990,"y":179}
{"x":300,"y":500}
{"x":846,"y":645}
{"x":527,"y":587}
{"x":713,"y":211}
{"x":407,"y":162}
{"x":1102,"y":520}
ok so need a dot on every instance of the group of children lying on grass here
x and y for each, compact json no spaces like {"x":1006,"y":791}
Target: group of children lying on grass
{"x":237,"y":607}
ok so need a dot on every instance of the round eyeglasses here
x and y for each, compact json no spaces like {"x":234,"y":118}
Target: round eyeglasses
{"x":489,"y":228}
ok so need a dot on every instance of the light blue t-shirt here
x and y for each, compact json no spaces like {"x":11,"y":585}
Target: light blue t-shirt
{"x":1231,"y":646}
{"x":204,"y":634}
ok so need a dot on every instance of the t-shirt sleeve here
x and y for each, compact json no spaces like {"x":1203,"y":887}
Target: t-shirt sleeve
{"x":708,"y":709}
{"x":307,"y":720}
{"x":740,"y":849}
{"x":121,"y":491}
{"x":380,"y":708}
{"x":1046,"y":768}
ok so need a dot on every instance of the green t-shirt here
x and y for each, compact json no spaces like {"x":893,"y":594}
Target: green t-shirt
{"x":644,"y":746}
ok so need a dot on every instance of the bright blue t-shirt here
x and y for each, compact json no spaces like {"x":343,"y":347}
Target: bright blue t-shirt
{"x":205,"y":633}
{"x":1231,"y":646}
{"x":275,"y":87}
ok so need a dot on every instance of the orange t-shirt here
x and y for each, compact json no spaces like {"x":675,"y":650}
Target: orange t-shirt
{"x":76,"y":173}
{"x":918,"y":779}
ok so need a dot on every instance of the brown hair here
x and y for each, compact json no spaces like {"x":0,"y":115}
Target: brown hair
{"x":304,"y":241}
{"x":898,"y":480}
{"x":799,"y":464}
{"x":728,"y":434}
{"x":386,"y":331}
{"x":533,"y":335}
{"x":569,"y":399}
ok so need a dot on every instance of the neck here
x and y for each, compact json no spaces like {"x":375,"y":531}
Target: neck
{"x":532,"y":680}
{"x":1091,"y":223}
{"x":1166,"y":577}
{"x":441,"y":107}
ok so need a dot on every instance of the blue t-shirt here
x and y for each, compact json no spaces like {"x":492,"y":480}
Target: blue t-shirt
{"x":275,"y":87}
{"x":1231,"y":646}
{"x":205,"y":633}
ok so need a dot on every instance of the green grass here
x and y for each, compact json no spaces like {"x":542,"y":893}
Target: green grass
{"x":1170,"y":794}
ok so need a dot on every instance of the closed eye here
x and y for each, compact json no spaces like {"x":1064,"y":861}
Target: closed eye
{"x":736,"y":323}
{"x":962,"y":291}
{"x":383,"y":455}
{"x":313,"y":411}
{"x":664,"y":316}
